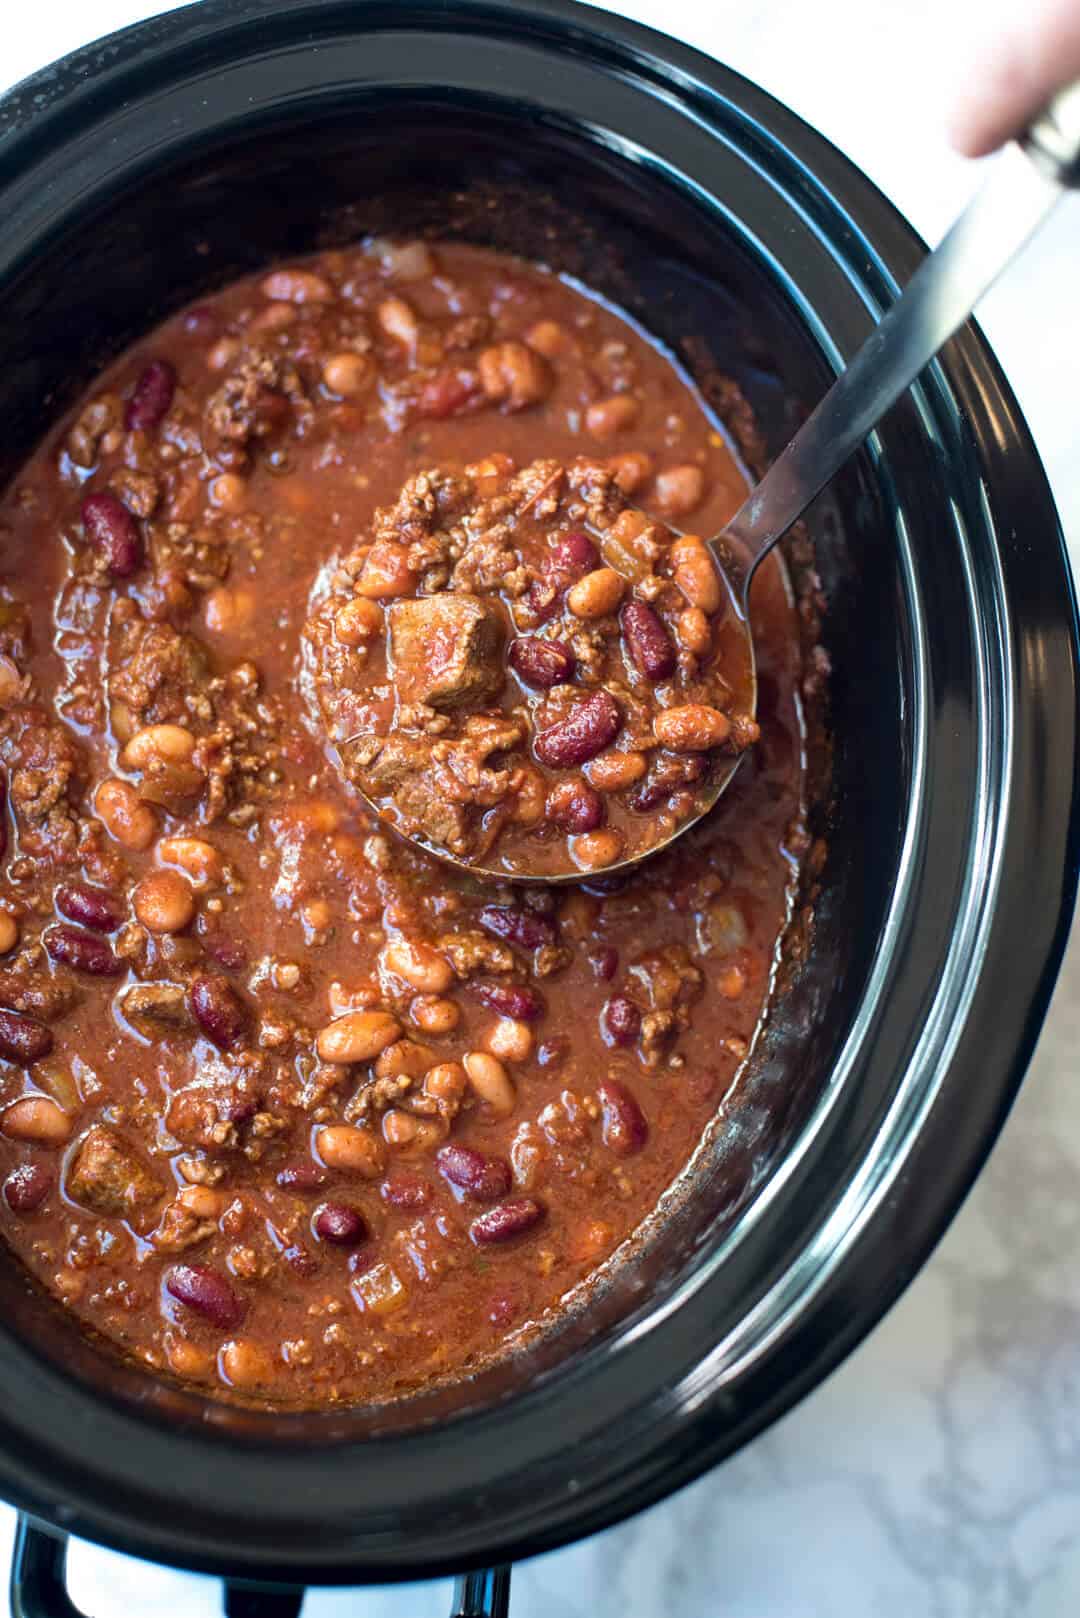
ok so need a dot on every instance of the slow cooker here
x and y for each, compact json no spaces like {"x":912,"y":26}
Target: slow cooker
{"x":164,"y":160}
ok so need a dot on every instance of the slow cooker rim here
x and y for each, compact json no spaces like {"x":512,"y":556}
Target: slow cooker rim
{"x":979,"y":358}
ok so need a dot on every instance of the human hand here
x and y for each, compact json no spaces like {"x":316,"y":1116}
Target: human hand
{"x":1013,"y":79}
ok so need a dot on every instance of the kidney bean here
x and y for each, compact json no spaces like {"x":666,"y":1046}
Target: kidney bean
{"x":112,"y":530}
{"x":650,"y":646}
{"x":302,"y":1177}
{"x":299,"y":1258}
{"x":505,"y":1221}
{"x":620,"y":1021}
{"x":522,"y":927}
{"x":340,"y":1225}
{"x":541,"y":663}
{"x":575,"y":806}
{"x":26,"y":1187}
{"x":571,"y":556}
{"x":82,"y":951}
{"x":226,"y":951}
{"x":604,"y":962}
{"x":218,"y":1010}
{"x":586,"y":731}
{"x":207,"y":1292}
{"x":406,"y":1191}
{"x":485,"y":1179}
{"x":501,"y":1309}
{"x":510,"y":1000}
{"x":446,"y":393}
{"x":22,"y":1039}
{"x":667,"y":776}
{"x":90,"y":907}
{"x":153,"y":395}
{"x":624,"y":1127}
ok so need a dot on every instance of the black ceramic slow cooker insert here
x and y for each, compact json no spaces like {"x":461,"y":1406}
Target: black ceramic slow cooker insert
{"x":169,"y":158}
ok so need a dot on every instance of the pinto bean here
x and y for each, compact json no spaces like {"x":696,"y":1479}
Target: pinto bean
{"x":610,"y":416}
{"x":296,"y":286}
{"x":348,"y":375}
{"x":36,"y":1118}
{"x":597,"y":594}
{"x":491,"y":1082}
{"x":692,"y":728}
{"x":695,"y":573}
{"x":351,"y":1150}
{"x":358,"y":1036}
{"x":679,"y":489}
{"x":245,"y":1364}
{"x":611,"y":772}
{"x":422,"y":967}
{"x":514,"y":375}
{"x":586,"y":731}
{"x":595,"y":849}
{"x":511,"y":1039}
{"x":164,"y":901}
{"x":127,"y":819}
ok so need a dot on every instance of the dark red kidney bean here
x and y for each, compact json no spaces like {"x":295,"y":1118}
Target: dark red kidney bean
{"x":218,"y":1010}
{"x":226,"y":951}
{"x":90,"y":907}
{"x":506,"y":1220}
{"x":82,"y":951}
{"x":485,"y":1179}
{"x":26,"y":1187}
{"x":300,"y":1259}
{"x":502,"y":1308}
{"x":591,"y":727}
{"x":647,"y":640}
{"x":553,"y":1052}
{"x":575,"y":806}
{"x":447,"y":392}
{"x":510,"y":1000}
{"x":624,"y":1127}
{"x":522,"y":927}
{"x":340,"y":1225}
{"x":22,"y":1039}
{"x":573,"y":555}
{"x":153,"y":395}
{"x":541,"y":663}
{"x":406,"y":1191}
{"x":620,"y":1021}
{"x":604,"y":962}
{"x":302,"y":1177}
{"x":668,"y":775}
{"x":113,"y":531}
{"x":207,"y":1292}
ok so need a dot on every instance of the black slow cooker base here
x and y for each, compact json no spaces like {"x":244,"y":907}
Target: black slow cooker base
{"x":39,"y":1587}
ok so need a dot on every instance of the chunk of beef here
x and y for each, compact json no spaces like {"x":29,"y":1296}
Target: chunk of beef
{"x":402,"y":769}
{"x":46,"y":777}
{"x":211,"y":1112}
{"x":446,"y":650}
{"x":107,"y":1177}
{"x":36,"y":991}
{"x":155,"y":670}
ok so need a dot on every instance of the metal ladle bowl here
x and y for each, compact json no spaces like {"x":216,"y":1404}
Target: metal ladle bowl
{"x":1027,"y":181}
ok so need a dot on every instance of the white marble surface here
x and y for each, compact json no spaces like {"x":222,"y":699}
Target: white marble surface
{"x":937,"y":1473}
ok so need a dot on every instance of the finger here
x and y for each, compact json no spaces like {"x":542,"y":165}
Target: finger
{"x":1017,"y":75}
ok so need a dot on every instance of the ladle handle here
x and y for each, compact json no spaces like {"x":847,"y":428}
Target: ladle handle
{"x":1025,"y":184}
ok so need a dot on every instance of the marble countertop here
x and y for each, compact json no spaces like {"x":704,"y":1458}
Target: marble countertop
{"x":937,"y":1472}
